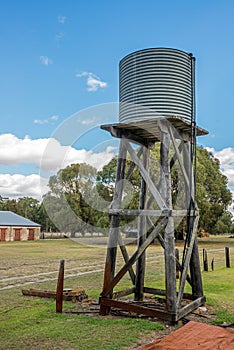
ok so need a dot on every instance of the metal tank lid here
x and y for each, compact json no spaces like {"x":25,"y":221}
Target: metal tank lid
{"x":158,"y":49}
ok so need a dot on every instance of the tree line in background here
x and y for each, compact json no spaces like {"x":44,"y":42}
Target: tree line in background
{"x":79,"y":197}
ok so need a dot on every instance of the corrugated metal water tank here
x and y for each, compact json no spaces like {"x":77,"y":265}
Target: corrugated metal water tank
{"x":156,"y":82}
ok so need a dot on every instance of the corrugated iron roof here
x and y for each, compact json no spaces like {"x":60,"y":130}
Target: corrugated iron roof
{"x":195,"y":336}
{"x":8,"y":218}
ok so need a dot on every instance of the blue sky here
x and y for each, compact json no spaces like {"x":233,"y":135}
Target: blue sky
{"x":60,"y":57}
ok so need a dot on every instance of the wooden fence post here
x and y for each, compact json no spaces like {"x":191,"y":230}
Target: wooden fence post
{"x":205,"y":260}
{"x":59,"y":291}
{"x":227,"y":255}
{"x":212,"y":264}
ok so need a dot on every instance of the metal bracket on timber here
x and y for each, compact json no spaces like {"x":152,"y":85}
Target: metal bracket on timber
{"x":157,"y":213}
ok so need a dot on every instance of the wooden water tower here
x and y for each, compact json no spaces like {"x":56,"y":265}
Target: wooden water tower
{"x":157,"y":105}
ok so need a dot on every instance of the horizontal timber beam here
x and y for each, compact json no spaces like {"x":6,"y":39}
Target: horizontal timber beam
{"x":138,"y":309}
{"x":161,"y":292}
{"x":190,"y":307}
{"x":123,"y":293}
{"x":148,"y":212}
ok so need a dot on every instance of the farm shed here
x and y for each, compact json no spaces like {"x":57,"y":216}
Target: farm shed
{"x":14,"y":227}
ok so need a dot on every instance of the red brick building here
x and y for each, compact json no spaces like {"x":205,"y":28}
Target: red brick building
{"x":14,"y":227}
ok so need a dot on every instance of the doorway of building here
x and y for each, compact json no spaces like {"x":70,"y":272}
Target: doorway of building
{"x":3,"y":234}
{"x":17,"y":234}
{"x":31,"y":234}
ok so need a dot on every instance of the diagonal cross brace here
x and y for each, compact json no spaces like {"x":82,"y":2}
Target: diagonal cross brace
{"x":126,"y":257}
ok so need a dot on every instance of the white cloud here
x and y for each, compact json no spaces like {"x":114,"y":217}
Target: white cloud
{"x":40,"y":121}
{"x":46,"y":60}
{"x":56,"y":156}
{"x":226,"y":159}
{"x":62,"y":19}
{"x":87,"y":121}
{"x":52,"y":119}
{"x":48,"y":155}
{"x":59,"y":36}
{"x":210,"y":149}
{"x":93,"y":82}
{"x":14,"y":150}
{"x":18,"y":185}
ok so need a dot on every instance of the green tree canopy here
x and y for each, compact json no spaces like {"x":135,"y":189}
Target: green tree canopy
{"x":73,"y":202}
{"x":213,"y":195}
{"x":27,"y":207}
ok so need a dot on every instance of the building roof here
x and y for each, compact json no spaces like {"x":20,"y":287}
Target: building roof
{"x":8,"y":218}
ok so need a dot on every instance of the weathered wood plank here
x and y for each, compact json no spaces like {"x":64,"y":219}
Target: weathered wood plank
{"x":190,"y":307}
{"x":136,"y":212}
{"x":154,"y":291}
{"x":68,"y":296}
{"x":123,"y":293}
{"x":138,"y":309}
{"x":162,"y":292}
{"x":149,"y":212}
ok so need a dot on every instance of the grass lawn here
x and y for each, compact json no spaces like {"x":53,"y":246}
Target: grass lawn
{"x":31,"y":323}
